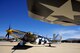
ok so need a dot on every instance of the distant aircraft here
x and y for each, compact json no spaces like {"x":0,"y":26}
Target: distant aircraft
{"x":31,"y":37}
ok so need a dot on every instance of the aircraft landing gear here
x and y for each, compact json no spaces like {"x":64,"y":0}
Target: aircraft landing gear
{"x":21,"y":43}
{"x":49,"y":44}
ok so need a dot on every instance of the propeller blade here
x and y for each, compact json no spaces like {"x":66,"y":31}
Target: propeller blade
{"x":55,"y":36}
{"x":7,"y":35}
{"x":9,"y":28}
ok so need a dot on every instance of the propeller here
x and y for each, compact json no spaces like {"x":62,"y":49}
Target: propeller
{"x":57,"y":37}
{"x":8,"y":32}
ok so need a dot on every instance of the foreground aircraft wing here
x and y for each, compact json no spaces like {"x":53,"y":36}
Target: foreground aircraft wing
{"x":64,"y":12}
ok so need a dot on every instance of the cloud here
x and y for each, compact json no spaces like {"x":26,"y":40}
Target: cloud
{"x":76,"y":36}
{"x":69,"y":33}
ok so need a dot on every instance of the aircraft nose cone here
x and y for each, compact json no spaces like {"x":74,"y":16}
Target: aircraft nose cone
{"x":10,"y":31}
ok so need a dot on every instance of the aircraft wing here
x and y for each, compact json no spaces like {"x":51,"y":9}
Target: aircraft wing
{"x":63,"y":12}
{"x":18,"y":33}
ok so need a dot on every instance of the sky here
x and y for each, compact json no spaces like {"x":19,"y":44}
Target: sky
{"x":15,"y":13}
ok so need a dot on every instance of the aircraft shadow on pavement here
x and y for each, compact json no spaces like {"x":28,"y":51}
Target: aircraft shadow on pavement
{"x":51,"y":46}
{"x":21,"y":47}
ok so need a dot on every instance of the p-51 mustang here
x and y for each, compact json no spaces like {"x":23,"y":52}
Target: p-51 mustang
{"x":31,"y":37}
